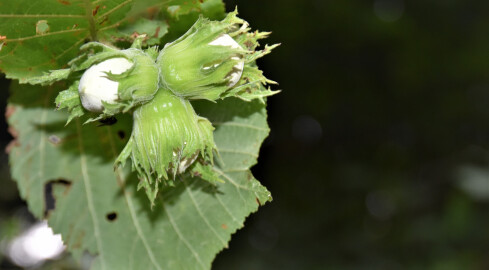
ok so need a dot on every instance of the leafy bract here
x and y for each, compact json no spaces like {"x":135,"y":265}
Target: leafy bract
{"x":101,"y":211}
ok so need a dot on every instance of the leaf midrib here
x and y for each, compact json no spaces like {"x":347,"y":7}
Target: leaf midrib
{"x":88,"y":192}
{"x":130,"y":204}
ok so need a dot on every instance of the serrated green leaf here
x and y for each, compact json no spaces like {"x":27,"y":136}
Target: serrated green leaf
{"x":47,"y":35}
{"x":44,"y":35}
{"x":99,"y":210}
{"x":48,"y":78}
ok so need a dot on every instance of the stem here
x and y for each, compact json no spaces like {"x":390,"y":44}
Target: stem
{"x":91,"y":21}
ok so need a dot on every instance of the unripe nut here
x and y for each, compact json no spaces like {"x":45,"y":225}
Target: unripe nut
{"x":95,"y":87}
{"x":226,"y":40}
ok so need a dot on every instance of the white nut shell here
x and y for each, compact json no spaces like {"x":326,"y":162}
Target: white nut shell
{"x":226,"y":40}
{"x":95,"y":87}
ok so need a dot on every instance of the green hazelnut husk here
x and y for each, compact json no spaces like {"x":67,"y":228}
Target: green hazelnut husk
{"x":193,"y":67}
{"x":167,"y":138}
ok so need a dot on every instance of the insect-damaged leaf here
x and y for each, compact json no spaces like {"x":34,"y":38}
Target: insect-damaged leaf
{"x":101,"y":211}
{"x":47,"y":34}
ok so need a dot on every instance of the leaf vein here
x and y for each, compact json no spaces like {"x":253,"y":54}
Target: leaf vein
{"x":131,"y":206}
{"x":238,"y":152}
{"x":41,"y":16}
{"x":88,"y":192}
{"x":45,"y":35}
{"x":101,"y":18}
{"x":227,"y":210}
{"x":42,"y":143}
{"x":234,"y":124}
{"x":139,"y":231}
{"x":236,"y":185}
{"x":201,"y":214}
{"x":184,"y":241}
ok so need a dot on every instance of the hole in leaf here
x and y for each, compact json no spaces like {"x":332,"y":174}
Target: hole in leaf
{"x":49,"y":198}
{"x":111,"y":216}
{"x":121,"y":134}
{"x":42,"y":27}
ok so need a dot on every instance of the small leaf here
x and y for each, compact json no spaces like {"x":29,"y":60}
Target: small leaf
{"x":70,"y":99}
{"x":48,"y":78}
{"x":205,"y":172}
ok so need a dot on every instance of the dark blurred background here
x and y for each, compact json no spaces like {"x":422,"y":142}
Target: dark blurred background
{"x":378,"y":153}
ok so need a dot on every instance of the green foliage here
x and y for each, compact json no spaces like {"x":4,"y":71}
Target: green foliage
{"x":98,"y":207}
{"x":190,"y":222}
{"x":45,"y":34}
{"x":50,"y":32}
{"x":70,"y":100}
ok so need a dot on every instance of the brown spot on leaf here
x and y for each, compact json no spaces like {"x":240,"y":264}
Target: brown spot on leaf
{"x":14,"y":142}
{"x":79,"y":240}
{"x":224,"y":226}
{"x":67,"y":237}
{"x":95,"y":10}
{"x":10,"y":145}
{"x":105,"y":20}
{"x":258,"y":201}
{"x":64,"y":2}
{"x":152,"y":11}
{"x":248,"y":44}
{"x":157,"y":32}
{"x":9,"y":111}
